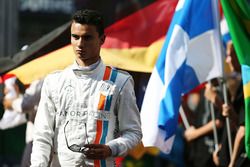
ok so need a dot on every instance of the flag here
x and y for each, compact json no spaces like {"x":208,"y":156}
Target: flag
{"x":131,"y":43}
{"x":59,"y":37}
{"x":224,"y":32}
{"x":246,"y":88}
{"x":190,"y":55}
{"x":237,"y":14}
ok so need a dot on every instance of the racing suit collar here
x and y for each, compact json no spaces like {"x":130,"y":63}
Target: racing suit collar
{"x":81,"y":71}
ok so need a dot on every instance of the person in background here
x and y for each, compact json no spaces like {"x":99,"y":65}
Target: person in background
{"x":11,"y":127}
{"x":27,"y":104}
{"x":87,"y":113}
{"x":236,"y":113}
{"x":13,"y":89}
{"x":199,"y":136}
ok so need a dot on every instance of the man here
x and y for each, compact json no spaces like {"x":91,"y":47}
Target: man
{"x":87,"y":114}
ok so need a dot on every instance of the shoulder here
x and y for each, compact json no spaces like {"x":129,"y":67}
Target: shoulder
{"x":54,"y":78}
{"x":123,"y":73}
{"x":53,"y":75}
{"x":58,"y":75}
{"x":123,"y":77}
{"x":120,"y":73}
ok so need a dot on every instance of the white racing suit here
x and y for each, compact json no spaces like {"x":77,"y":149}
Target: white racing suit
{"x":85,"y":101}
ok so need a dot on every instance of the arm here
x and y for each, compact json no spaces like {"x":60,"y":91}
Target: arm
{"x":29,"y":100}
{"x":129,"y":121}
{"x":32,"y":96}
{"x":225,"y":109}
{"x":192,"y":133}
{"x":44,"y":129}
{"x":238,"y":138}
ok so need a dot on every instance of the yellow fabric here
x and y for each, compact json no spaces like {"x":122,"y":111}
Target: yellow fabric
{"x":152,"y":150}
{"x":135,"y":59}
{"x":41,"y":66}
{"x":137,"y":152}
{"x":246,"y":88}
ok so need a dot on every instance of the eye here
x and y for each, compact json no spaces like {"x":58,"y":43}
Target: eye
{"x":87,"y":37}
{"x":76,"y":37}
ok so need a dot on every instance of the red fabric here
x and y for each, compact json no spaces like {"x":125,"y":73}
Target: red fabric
{"x":196,"y":89}
{"x":118,"y":161}
{"x":7,"y":76}
{"x":141,"y":28}
{"x":220,"y":10}
{"x":1,"y":80}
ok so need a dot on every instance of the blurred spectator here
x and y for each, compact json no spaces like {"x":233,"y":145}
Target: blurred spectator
{"x":199,"y":136}
{"x":27,"y":104}
{"x":12,"y":130}
{"x":13,"y":89}
{"x":235,"y":111}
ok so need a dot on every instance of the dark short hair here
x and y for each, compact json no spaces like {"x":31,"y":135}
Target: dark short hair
{"x":91,"y":17}
{"x":20,"y":86}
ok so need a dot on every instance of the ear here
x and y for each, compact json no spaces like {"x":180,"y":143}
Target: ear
{"x":102,"y":39}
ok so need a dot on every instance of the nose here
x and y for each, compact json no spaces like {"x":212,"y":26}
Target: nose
{"x":80,"y":42}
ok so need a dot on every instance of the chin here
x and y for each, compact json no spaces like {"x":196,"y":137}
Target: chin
{"x":84,"y":59}
{"x":81,"y":57}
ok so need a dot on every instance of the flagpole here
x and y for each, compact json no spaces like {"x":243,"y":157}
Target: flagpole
{"x":216,"y":9}
{"x":216,"y":143}
{"x":184,"y":118}
{"x":227,"y":118}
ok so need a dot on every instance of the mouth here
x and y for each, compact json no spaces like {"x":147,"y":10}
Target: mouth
{"x":80,"y":52}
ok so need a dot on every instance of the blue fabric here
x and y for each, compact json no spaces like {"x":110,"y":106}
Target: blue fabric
{"x":195,"y":18}
{"x":177,"y":154}
{"x":245,"y":74}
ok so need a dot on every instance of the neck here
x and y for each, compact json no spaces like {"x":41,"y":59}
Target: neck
{"x":87,"y":62}
{"x":90,"y":67}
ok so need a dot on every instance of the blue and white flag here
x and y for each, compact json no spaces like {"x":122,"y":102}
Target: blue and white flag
{"x":226,"y":37}
{"x":190,"y":56}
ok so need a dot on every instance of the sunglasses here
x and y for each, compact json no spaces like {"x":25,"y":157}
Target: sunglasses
{"x":76,"y":147}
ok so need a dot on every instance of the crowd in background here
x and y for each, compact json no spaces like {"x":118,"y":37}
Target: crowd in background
{"x":195,"y":146}
{"x":203,"y":143}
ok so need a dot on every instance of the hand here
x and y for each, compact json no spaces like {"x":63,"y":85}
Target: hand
{"x":216,"y":157}
{"x":189,"y":134}
{"x":226,"y":110}
{"x":97,"y":151}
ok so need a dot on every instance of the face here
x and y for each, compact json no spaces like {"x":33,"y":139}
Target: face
{"x":232,"y":59}
{"x":86,"y":43}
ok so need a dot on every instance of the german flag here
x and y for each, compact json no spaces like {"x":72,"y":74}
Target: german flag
{"x":133,"y":43}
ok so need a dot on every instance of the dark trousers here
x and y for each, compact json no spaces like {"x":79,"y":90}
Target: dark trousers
{"x":26,"y":155}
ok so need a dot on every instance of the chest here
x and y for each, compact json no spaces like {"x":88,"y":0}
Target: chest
{"x":81,"y":99}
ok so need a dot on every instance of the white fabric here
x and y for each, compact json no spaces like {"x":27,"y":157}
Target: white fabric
{"x":190,"y":56}
{"x":150,"y":139}
{"x":28,"y":104}
{"x":72,"y":95}
{"x":202,"y":46}
{"x":11,"y":119}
